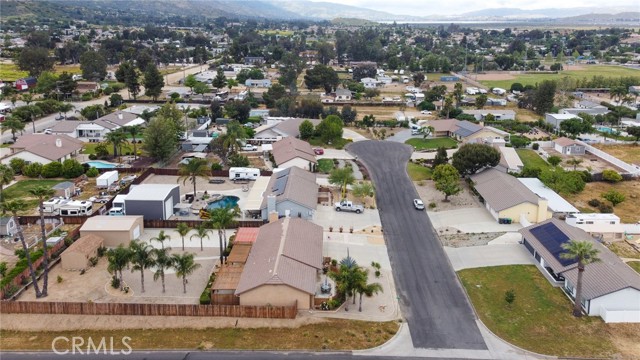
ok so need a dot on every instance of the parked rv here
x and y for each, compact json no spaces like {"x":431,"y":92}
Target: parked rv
{"x":239,"y":173}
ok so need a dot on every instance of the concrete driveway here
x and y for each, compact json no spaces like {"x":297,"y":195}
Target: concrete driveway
{"x":469,"y":220}
{"x":335,"y":154}
{"x":402,"y":136}
{"x":488,"y":255}
{"x":354,"y":136}
{"x":431,"y":298}
{"x":326,"y":216}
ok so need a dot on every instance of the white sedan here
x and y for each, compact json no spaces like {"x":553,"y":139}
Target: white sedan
{"x":418,"y":204}
{"x":425,"y":112}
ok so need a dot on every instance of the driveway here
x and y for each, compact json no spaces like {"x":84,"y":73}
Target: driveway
{"x":470,"y":220}
{"x":488,"y":255}
{"x":402,"y":136}
{"x":431,"y":297}
{"x":326,"y":216}
{"x":335,"y":154}
{"x":354,"y":136}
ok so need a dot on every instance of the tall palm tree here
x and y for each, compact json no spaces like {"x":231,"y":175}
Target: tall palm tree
{"x":119,"y":258}
{"x":342,"y":177}
{"x":347,"y":277}
{"x":134,"y":131}
{"x":183,"y":229}
{"x":65,"y":108}
{"x":141,"y":258}
{"x":13,"y":207}
{"x":364,"y":288}
{"x":163,"y":261}
{"x":192,"y":170}
{"x":6,"y":177}
{"x":43,"y":193}
{"x":363,"y":190}
{"x":13,"y":124}
{"x":184,"y":265}
{"x":201,"y":232}
{"x":584,"y":253}
{"x":575,"y":162}
{"x":161,"y":238}
{"x":116,"y":138}
{"x":221,"y":219}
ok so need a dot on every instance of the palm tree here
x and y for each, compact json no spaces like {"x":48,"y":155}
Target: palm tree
{"x":201,"y":232}
{"x":193,"y":170}
{"x":575,"y":162}
{"x":65,"y":108}
{"x":161,"y":238}
{"x":342,"y":177}
{"x":363,"y":288}
{"x":584,"y":253}
{"x":134,"y":131}
{"x":43,"y":193}
{"x":14,"y":206}
{"x":426,"y":131}
{"x":363,"y":190}
{"x":119,"y":258}
{"x":221,"y":219}
{"x":162,"y":262}
{"x":13,"y":124}
{"x":6,"y":177}
{"x":141,"y":258}
{"x":183,"y":229}
{"x":116,"y":138}
{"x":184,"y":265}
{"x":348,"y":275}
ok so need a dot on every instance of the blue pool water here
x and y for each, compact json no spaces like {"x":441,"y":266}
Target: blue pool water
{"x":100,"y":164}
{"x":231,"y":201}
{"x":606,"y":129}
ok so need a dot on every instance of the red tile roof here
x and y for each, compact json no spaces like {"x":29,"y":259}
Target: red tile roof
{"x":246,"y":235}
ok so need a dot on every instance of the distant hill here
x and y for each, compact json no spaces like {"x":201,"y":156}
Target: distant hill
{"x":329,"y":11}
{"x":506,"y":13}
{"x":611,"y":18}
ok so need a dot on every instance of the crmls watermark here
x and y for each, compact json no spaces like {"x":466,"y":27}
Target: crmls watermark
{"x":63,"y":345}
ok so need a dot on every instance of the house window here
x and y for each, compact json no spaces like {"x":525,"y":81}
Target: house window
{"x":612,"y":222}
{"x":589,"y":222}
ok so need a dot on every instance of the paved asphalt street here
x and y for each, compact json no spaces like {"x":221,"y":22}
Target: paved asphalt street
{"x":431,"y":298}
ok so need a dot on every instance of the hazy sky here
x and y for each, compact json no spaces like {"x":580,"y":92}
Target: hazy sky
{"x":450,"y":7}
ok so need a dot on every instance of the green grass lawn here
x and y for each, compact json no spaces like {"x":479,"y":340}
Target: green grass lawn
{"x":20,"y":190}
{"x":325,"y":165}
{"x":421,"y":144}
{"x":338,"y":144}
{"x":418,"y":172}
{"x":10,"y":72}
{"x":589,"y":72}
{"x":90,"y":148}
{"x":635,"y":265}
{"x":540,"y":318}
{"x":531,"y":159}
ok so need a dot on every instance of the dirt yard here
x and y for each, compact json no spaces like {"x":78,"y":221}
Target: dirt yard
{"x":452,"y":237}
{"x":627,"y":153}
{"x":627,"y":210}
{"x":428,"y":193}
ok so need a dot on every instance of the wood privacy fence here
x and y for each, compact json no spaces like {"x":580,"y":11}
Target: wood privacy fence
{"x":168,"y":224}
{"x":78,"y":308}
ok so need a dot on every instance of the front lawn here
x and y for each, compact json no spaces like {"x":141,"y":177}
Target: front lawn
{"x":418,"y":172}
{"x":325,"y":165}
{"x":20,"y":190}
{"x":540,"y":318}
{"x":635,"y":265}
{"x":531,"y":159}
{"x":422,"y":144}
{"x":337,"y":144}
{"x":90,"y":148}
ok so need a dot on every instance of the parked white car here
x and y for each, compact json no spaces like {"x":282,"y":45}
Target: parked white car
{"x":418,"y":204}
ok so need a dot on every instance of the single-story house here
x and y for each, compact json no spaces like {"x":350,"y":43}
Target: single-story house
{"x":283,"y":266}
{"x":596,"y":110}
{"x":610,"y":288}
{"x":153,"y":201}
{"x":369,"y":83}
{"x":87,"y":86}
{"x":290,"y":152}
{"x":276,"y":130}
{"x":605,"y":227}
{"x":122,"y":118}
{"x":557,"y":119}
{"x":290,"y":192}
{"x":507,"y":198}
{"x":44,"y":148}
{"x":140,"y":109}
{"x":343,"y":95}
{"x":384,"y":80}
{"x":509,"y":160}
{"x":480,"y":115}
{"x":64,"y":189}
{"x":556,"y":203}
{"x":466,"y":131}
{"x":253,"y":60}
{"x":78,"y":255}
{"x":262,"y":83}
{"x":568,"y":146}
{"x":114,"y":230}
{"x":8,"y":226}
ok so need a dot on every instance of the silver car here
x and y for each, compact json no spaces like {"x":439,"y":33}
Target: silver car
{"x":418,"y":204}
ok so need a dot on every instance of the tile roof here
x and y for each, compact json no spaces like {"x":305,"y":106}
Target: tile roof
{"x":239,"y":253}
{"x":291,"y":127}
{"x":449,"y":125}
{"x":67,"y":126}
{"x":44,"y":145}
{"x":86,"y":244}
{"x":502,"y":190}
{"x":290,"y":148}
{"x":564,"y":141}
{"x":293,"y":184}
{"x":246,"y":235}
{"x":289,"y":252}
{"x":601,"y":278}
{"x":119,"y":117}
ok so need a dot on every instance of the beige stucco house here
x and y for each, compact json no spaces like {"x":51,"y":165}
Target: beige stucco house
{"x":290,"y":152}
{"x":77,"y":256}
{"x":115,"y":230}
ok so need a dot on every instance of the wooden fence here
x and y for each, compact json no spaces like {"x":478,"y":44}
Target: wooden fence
{"x":82,"y":308}
{"x":169,"y":224}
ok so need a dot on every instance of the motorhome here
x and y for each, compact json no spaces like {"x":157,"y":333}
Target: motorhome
{"x":76,"y":208}
{"x":240,"y":173}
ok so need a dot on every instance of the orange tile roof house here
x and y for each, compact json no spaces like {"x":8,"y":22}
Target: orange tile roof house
{"x":290,"y":152}
{"x":283,"y":265}
{"x":44,"y":148}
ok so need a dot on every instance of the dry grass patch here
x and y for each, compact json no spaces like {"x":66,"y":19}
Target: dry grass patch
{"x":627,"y":153}
{"x":627,"y":210}
{"x":329,"y":335}
{"x":624,"y":250}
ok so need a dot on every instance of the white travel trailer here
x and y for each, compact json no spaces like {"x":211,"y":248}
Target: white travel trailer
{"x":53,"y":205}
{"x":499,"y":91}
{"x":239,"y":173}
{"x":76,"y":208}
{"x":105,"y":180}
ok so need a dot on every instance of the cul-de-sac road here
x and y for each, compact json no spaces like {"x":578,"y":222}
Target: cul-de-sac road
{"x":431,"y":297}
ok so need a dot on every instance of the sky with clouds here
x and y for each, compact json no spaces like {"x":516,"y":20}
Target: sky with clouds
{"x":450,"y":7}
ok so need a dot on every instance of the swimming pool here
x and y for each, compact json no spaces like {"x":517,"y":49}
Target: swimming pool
{"x":101,"y":164}
{"x":605,"y":129}
{"x":230,"y":201}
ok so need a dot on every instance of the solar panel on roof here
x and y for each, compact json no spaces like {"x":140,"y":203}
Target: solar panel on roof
{"x":552,"y":239}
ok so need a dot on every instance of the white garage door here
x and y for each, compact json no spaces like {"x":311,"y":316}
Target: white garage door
{"x":136,"y":232}
{"x":168,"y":208}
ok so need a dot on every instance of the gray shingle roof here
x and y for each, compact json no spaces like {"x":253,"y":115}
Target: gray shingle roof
{"x":45,"y":145}
{"x":286,"y":252}
{"x":293,"y":184}
{"x":290,"y":148}
{"x":466,"y":128}
{"x":502,"y":190}
{"x":291,"y":127}
{"x":119,"y":117}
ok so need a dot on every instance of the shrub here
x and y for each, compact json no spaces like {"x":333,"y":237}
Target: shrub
{"x":102,"y":251}
{"x":87,"y":96}
{"x":93,"y":261}
{"x":614,"y":197}
{"x":432,"y":205}
{"x":71,"y":168}
{"x":93,"y":157}
{"x":17,"y":164}
{"x":92,"y":172}
{"x":216,"y":166}
{"x":59,"y":279}
{"x":115,"y":282}
{"x":52,"y":170}
{"x":32,"y":170}
{"x":605,"y":209}
{"x":594,"y":202}
{"x":535,"y":146}
{"x":611,"y":176}
{"x":586,"y":176}
{"x":3,"y":268}
{"x":205,"y":297}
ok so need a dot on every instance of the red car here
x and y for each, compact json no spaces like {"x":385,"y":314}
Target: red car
{"x":318,"y":151}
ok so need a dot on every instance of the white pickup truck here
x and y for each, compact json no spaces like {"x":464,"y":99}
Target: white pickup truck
{"x":345,"y":205}
{"x":249,"y":147}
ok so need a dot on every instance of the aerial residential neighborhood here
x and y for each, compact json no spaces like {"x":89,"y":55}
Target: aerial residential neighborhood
{"x":329,"y":179}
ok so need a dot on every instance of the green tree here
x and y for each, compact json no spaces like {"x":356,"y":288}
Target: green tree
{"x":306,"y":130}
{"x":161,"y":238}
{"x":554,"y":160}
{"x":93,"y":65}
{"x":32,"y":170}
{"x":201,"y":88}
{"x":184,"y":265}
{"x":481,"y":101}
{"x":611,"y":176}
{"x":141,"y":258}
{"x":330,"y":129}
{"x":418,"y":79}
{"x":190,"y":81}
{"x":273,"y":94}
{"x":325,"y":52}
{"x":160,"y":140}
{"x":134,"y":131}
{"x":574,"y":162}
{"x":201,"y":233}
{"x":35,"y":60}
{"x":348,"y":114}
{"x":43,"y":193}
{"x":347,"y":278}
{"x":13,"y":124}
{"x":543,"y":97}
{"x":363,"y":287}
{"x":576,"y":126}
{"x":14,"y":207}
{"x":342,"y":177}
{"x":71,"y":168}
{"x":472,"y":157}
{"x":457,"y":93}
{"x":447,"y":180}
{"x":119,"y":259}
{"x":153,"y":82}
{"x":220,"y":80}
{"x":321,"y":76}
{"x":183,"y":230}
{"x":116,"y":138}
{"x":194,"y":169}
{"x":17,"y":164}
{"x":127,"y":74}
{"x":6,"y":177}
{"x":614,"y":197}
{"x":634,"y":131}
{"x":51,"y":170}
{"x":46,"y":83}
{"x":162,"y":262}
{"x":584,"y":253}
{"x":509,"y":297}
{"x":221,"y":219}
{"x":441,"y":157}
{"x":363,"y":190}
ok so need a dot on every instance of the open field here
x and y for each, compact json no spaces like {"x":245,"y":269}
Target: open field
{"x":627,"y":153}
{"x":541,"y":314}
{"x":422,"y":144}
{"x":531,"y":159}
{"x":71,"y":69}
{"x":506,"y":79}
{"x":10,"y":72}
{"x":319,"y":336}
{"x":627,"y":210}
